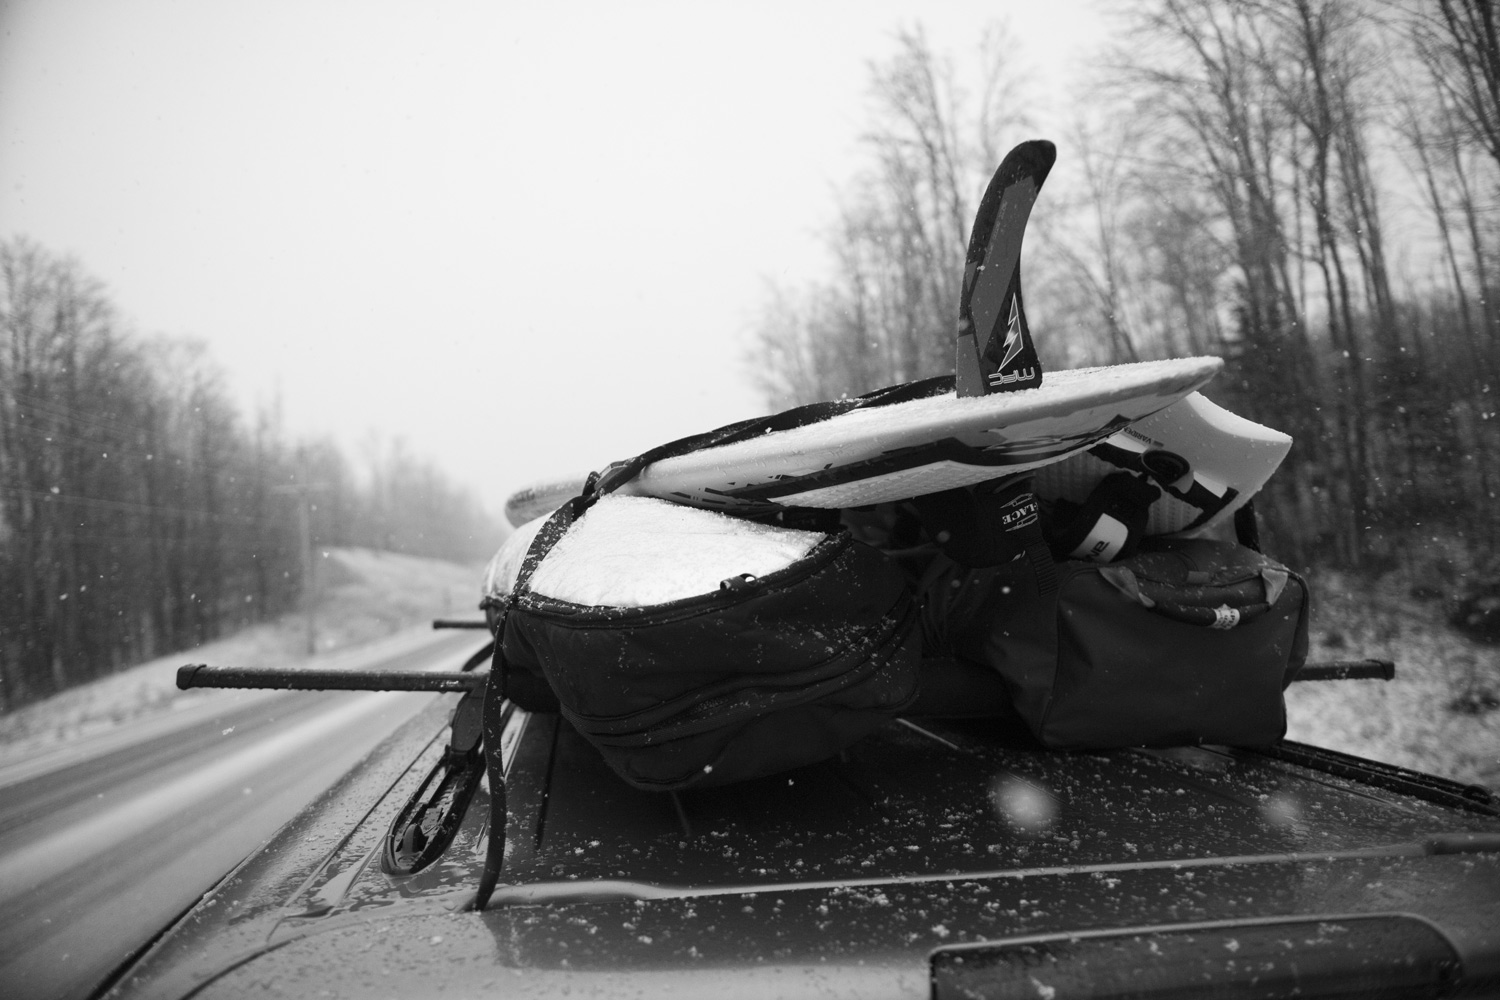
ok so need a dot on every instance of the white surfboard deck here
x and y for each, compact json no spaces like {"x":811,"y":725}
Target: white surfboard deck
{"x":901,"y":450}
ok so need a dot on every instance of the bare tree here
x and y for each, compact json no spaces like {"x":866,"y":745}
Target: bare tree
{"x":1232,"y":199}
{"x":1096,"y":251}
{"x":889,"y":312}
{"x":1460,"y":44}
{"x":136,"y":514}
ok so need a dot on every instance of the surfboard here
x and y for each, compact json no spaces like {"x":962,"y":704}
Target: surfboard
{"x":1208,"y":461}
{"x":906,"y":449}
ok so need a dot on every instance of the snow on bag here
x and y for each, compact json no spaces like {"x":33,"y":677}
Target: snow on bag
{"x":692,"y":648}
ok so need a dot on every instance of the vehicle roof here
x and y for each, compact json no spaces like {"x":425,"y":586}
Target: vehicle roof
{"x":929,"y":835}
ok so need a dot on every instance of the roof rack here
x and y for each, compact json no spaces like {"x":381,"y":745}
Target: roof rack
{"x":417,"y":837}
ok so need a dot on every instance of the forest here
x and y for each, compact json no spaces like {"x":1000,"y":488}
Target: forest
{"x":141,"y":514}
{"x":1309,"y":189}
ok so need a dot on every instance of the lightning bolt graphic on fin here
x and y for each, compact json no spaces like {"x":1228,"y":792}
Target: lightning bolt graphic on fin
{"x":1013,"y":342}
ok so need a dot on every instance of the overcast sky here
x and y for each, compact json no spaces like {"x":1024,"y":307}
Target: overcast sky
{"x":529,"y":238}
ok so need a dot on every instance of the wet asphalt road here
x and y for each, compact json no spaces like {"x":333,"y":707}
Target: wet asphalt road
{"x":106,"y":845}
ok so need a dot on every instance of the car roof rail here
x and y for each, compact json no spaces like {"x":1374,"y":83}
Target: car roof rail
{"x":1391,"y":777}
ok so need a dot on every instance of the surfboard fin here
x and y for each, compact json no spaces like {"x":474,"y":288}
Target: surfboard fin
{"x":993,"y":351}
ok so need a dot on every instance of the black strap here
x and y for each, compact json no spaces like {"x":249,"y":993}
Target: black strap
{"x":1044,"y":567}
{"x":556,"y":525}
{"x":619,"y":473}
{"x":1167,"y":470}
{"x":493,"y":718}
{"x":1247,"y":526}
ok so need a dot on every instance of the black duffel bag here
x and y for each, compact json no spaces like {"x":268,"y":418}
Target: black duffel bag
{"x":758,"y":673}
{"x":1187,"y":641}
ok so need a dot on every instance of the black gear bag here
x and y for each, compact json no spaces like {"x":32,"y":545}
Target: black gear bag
{"x":764,"y":673}
{"x":1187,"y":641}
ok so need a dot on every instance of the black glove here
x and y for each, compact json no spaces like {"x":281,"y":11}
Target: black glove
{"x":984,"y":525}
{"x":1108,"y":525}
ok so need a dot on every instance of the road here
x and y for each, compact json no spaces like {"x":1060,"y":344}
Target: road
{"x":102,"y":848}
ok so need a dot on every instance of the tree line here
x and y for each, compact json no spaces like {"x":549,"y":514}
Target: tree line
{"x":1308,"y":188}
{"x":141,"y":514}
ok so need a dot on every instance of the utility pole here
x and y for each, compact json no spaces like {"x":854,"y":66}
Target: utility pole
{"x":309,"y":563}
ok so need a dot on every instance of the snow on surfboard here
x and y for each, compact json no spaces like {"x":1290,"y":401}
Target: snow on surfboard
{"x":1208,"y":461}
{"x":531,"y":502}
{"x":901,"y":450}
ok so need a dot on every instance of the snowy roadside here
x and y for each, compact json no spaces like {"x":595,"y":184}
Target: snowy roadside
{"x":382,"y":604}
{"x":1411,"y":720}
{"x":372,"y":604}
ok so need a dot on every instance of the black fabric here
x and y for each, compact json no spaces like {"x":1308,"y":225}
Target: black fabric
{"x":983,"y":525}
{"x":767,"y":674}
{"x":960,"y":689}
{"x":1247,"y":526}
{"x":1127,"y":654}
{"x":528,"y":688}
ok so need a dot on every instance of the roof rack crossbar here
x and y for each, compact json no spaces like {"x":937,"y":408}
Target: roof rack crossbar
{"x":1347,"y":670}
{"x":199,"y":675}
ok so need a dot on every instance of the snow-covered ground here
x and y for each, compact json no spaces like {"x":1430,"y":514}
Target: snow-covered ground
{"x":1410,"y":720}
{"x":368,"y":602}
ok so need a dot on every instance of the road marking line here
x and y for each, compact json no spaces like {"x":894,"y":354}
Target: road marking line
{"x":34,"y":864}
